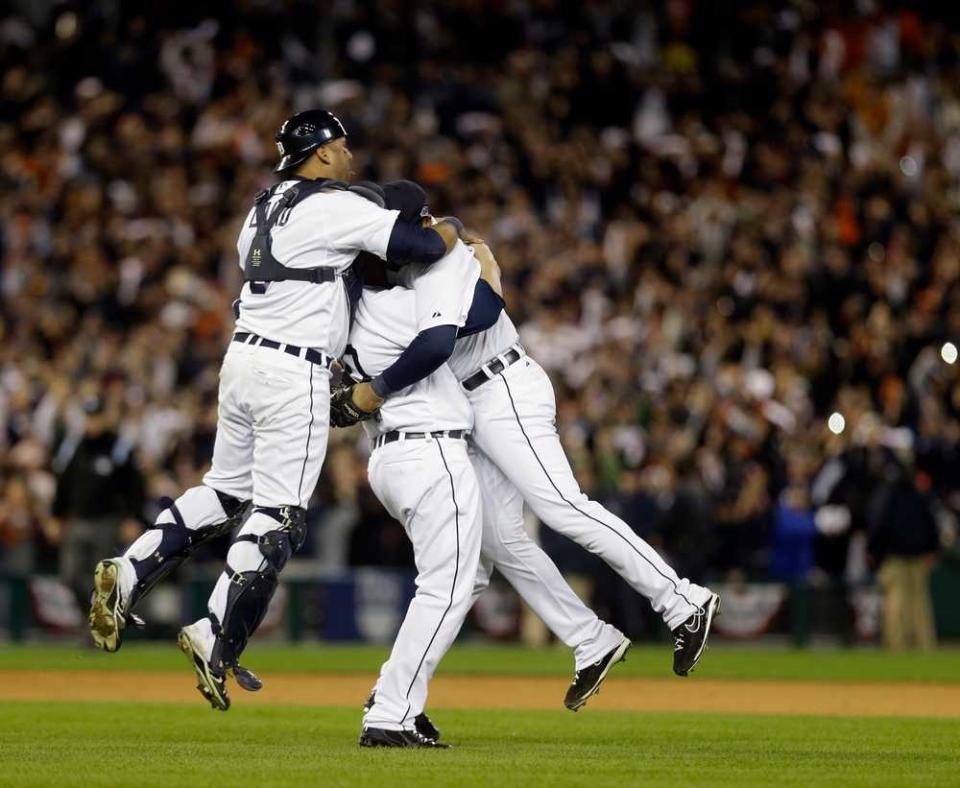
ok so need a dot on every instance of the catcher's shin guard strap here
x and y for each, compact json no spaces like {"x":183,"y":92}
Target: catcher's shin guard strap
{"x":177,"y":541}
{"x":248,"y":598}
{"x":250,"y":592}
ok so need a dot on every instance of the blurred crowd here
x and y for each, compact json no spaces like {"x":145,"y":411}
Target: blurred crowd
{"x":729,"y":232}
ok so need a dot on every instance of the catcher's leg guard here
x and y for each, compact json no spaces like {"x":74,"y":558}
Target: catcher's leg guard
{"x":251,"y":578}
{"x":197,"y":516}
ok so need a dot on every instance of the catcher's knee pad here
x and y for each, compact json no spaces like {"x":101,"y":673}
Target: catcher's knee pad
{"x":250,"y":592}
{"x":199,"y":515}
{"x":278,"y":545}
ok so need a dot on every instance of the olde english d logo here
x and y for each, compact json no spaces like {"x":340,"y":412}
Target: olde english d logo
{"x":256,"y":257}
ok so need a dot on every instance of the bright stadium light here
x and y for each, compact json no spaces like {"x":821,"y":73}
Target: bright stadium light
{"x":909,"y":166}
{"x":948,"y":352}
{"x":836,"y":423}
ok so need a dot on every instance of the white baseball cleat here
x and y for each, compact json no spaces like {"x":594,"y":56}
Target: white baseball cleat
{"x":211,"y":683}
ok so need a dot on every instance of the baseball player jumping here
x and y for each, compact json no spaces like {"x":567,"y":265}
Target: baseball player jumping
{"x":514,"y":410}
{"x":449,"y":287}
{"x":297,"y":246}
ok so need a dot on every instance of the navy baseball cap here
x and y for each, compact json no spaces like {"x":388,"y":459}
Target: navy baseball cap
{"x":407,"y":197}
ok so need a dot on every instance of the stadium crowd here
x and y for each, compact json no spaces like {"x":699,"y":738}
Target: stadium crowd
{"x":718,"y":224}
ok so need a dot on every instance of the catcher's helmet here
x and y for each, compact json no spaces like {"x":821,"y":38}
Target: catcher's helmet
{"x":301,"y":134}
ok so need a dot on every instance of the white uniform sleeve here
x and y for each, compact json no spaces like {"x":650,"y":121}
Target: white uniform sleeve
{"x":445,"y":289}
{"x":244,"y":238}
{"x":361,"y":225}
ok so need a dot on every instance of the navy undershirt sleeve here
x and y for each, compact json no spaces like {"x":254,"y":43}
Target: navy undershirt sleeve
{"x":484,"y":311}
{"x":429,"y":349}
{"x":410,"y":243}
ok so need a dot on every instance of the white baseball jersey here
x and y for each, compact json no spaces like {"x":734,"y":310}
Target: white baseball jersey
{"x":444,"y":289}
{"x":383,"y":327}
{"x":470,"y":353}
{"x":325,"y":229}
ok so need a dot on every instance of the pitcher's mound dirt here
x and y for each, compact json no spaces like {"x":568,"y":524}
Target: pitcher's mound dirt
{"x":510,"y":692}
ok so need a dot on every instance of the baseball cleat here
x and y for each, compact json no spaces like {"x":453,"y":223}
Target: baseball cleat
{"x":587,"y":681}
{"x":378,"y":737}
{"x":690,"y":638}
{"x":212,"y":683}
{"x":423,"y":724}
{"x":106,"y":618}
{"x":426,"y":728}
{"x":246,"y":679}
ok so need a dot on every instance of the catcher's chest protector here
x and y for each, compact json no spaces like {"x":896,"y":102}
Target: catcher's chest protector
{"x":261,"y":266}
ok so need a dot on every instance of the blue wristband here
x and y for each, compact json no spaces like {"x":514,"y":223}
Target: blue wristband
{"x":379,"y":385}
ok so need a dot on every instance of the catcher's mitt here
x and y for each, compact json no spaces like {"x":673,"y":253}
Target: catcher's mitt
{"x":343,"y":411}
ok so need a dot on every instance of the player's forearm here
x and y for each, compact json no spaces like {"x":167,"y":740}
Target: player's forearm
{"x":428,"y":351}
{"x":489,"y":269}
{"x":450,"y":228}
{"x":412,"y":244}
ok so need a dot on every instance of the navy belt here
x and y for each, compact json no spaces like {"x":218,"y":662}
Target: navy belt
{"x":311,"y":355}
{"x":397,"y":435}
{"x":492,"y":368}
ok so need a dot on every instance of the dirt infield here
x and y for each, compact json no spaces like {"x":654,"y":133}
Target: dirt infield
{"x":512,"y":692}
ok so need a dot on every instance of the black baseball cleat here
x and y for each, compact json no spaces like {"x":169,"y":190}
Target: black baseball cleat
{"x":212,"y":683}
{"x":426,"y":728}
{"x":587,"y":681}
{"x":421,"y":722}
{"x":378,"y":737}
{"x":690,"y":638}
{"x":107,"y":619}
{"x":246,"y":678}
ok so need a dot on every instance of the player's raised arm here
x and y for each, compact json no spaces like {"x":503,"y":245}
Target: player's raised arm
{"x":413,"y":239}
{"x":410,"y":243}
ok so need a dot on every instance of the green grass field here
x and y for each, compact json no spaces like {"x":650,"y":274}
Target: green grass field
{"x":43,"y":743}
{"x":652,"y":661}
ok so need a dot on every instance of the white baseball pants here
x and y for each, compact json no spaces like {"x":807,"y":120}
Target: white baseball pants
{"x":508,"y":547}
{"x":430,"y":487}
{"x":272,"y":430}
{"x":272,"y":426}
{"x":514,"y":425}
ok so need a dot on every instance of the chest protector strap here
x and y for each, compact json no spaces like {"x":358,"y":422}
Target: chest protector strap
{"x":261,"y":265}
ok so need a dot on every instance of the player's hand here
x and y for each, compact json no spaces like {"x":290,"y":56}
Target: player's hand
{"x":449,"y":232}
{"x":469,"y":236}
{"x":365,"y":398}
{"x":345,"y":410}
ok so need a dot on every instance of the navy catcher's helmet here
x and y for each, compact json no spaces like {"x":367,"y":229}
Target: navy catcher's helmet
{"x":301,"y":134}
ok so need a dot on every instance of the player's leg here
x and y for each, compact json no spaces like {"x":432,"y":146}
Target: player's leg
{"x":431,"y":488}
{"x":515,"y":426}
{"x":200,"y":514}
{"x":507,"y":546}
{"x":289,"y":402}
